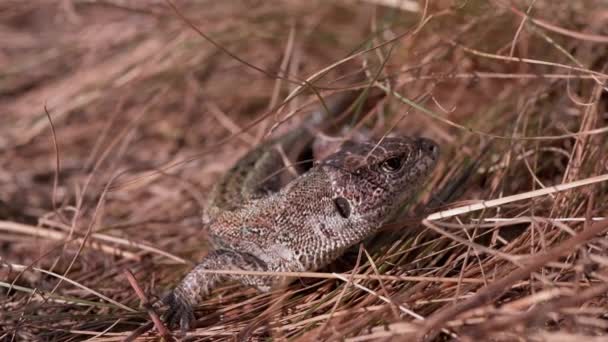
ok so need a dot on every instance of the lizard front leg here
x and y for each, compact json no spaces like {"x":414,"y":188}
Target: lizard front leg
{"x":198,"y":284}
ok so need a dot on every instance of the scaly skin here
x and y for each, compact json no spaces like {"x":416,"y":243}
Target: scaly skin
{"x":306,"y":223}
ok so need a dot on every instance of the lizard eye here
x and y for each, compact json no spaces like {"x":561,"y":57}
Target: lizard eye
{"x":342,"y":206}
{"x":391,"y":164}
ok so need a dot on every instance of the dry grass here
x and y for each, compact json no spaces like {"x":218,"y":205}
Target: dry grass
{"x":131,"y":88}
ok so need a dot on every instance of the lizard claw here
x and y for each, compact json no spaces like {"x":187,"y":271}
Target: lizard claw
{"x":180,"y":312}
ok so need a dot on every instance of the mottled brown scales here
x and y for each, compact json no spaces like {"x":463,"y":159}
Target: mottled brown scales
{"x":259,"y":222}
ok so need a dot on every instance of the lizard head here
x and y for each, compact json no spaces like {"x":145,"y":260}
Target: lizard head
{"x":372,"y":180}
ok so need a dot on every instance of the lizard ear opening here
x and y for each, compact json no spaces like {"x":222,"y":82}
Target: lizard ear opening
{"x":342,"y":206}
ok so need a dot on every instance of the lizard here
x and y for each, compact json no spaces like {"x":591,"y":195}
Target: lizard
{"x":258,"y":222}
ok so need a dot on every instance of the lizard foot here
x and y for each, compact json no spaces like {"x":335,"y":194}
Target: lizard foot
{"x":180,"y":312}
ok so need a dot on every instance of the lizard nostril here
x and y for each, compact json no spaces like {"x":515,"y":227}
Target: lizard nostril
{"x":428,"y":146}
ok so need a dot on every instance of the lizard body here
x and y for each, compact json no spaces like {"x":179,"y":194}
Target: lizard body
{"x":258,"y":223}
